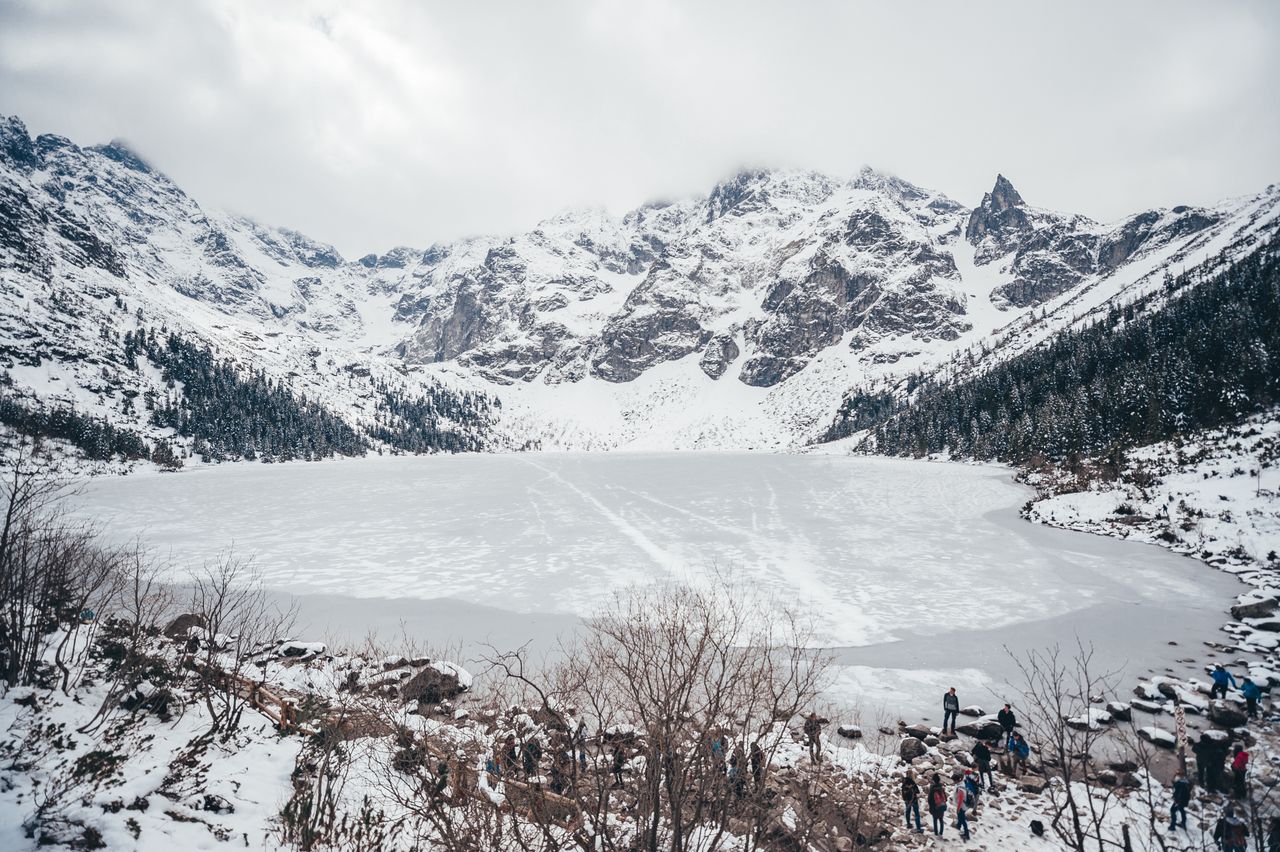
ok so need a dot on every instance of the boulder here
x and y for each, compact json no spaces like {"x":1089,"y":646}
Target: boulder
{"x":850,"y":732}
{"x":986,"y":728}
{"x":1227,"y":714}
{"x":931,"y":741}
{"x":1254,"y":605}
{"x":917,"y":731}
{"x":1270,"y":625}
{"x":435,"y":682}
{"x":1147,"y":706}
{"x":910,"y":748}
{"x":972,"y":710}
{"x":1158,"y":736}
{"x":181,"y":626}
{"x":1120,"y":710}
{"x":1033,"y":784}
{"x":1091,"y":720}
{"x":1148,"y":691}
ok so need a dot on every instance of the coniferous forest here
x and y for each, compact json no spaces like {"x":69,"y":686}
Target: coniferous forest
{"x":1209,"y":357}
{"x":94,"y":436}
{"x":231,"y":414}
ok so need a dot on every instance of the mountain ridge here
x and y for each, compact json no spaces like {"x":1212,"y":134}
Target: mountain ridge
{"x":737,"y":319}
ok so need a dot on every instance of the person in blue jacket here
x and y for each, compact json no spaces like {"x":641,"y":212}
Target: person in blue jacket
{"x":1019,"y":751}
{"x":1221,"y":677}
{"x":1252,"y":693}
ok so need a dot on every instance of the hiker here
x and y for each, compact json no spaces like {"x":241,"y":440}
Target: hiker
{"x":580,"y":745}
{"x":1252,"y":693}
{"x":737,"y":771}
{"x":813,"y":735}
{"x":717,"y":751}
{"x":619,"y":761}
{"x":962,"y":821}
{"x":1203,"y":749}
{"x":510,"y":758}
{"x":442,"y":780}
{"x":1221,"y":677}
{"x":532,"y":755}
{"x":973,"y":789}
{"x":938,"y":805}
{"x":982,"y":757}
{"x":1231,"y":833}
{"x":1007,"y":722}
{"x":911,"y":801}
{"x":1239,"y":769}
{"x":950,"y":710}
{"x":757,"y":764}
{"x":1019,"y":751}
{"x":1181,"y":798}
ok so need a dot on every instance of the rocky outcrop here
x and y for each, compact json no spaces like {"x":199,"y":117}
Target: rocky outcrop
{"x":719,"y":354}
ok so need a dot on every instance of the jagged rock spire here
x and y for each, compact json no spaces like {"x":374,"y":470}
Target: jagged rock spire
{"x":999,"y":211}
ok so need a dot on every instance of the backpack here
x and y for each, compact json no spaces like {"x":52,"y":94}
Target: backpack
{"x":938,"y":798}
{"x":969,"y":800}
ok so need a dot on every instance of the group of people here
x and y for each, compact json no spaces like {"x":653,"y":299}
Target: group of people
{"x":965,"y":798}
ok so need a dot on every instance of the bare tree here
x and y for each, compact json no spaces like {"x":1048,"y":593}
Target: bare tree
{"x":239,"y":620}
{"x":1059,"y":693}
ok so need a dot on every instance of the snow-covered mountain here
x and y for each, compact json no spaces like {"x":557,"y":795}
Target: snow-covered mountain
{"x":738,"y":319}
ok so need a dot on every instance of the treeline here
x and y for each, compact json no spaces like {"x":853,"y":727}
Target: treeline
{"x":234,"y":415}
{"x":93,"y":436}
{"x":425,"y":423}
{"x":1210,"y":356}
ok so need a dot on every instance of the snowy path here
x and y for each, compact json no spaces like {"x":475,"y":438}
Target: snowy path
{"x":894,"y":554}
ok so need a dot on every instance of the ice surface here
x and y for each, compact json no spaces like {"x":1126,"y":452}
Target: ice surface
{"x":878,"y":549}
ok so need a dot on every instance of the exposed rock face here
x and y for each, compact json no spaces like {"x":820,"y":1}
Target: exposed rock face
{"x":1000,"y":215}
{"x":1049,"y":253}
{"x":719,"y":354}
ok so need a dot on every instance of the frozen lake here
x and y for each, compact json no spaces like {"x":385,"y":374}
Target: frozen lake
{"x":910,"y":567}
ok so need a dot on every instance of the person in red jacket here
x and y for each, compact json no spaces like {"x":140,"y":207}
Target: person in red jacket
{"x":1239,"y":768}
{"x":962,"y":820}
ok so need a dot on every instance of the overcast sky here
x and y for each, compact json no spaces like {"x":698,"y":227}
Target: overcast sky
{"x":373,"y":124}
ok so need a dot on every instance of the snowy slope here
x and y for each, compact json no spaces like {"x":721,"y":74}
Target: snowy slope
{"x":734,"y":320}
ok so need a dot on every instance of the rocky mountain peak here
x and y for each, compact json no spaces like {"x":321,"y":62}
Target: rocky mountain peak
{"x":15,"y":143}
{"x":119,"y":151}
{"x":1000,"y":215}
{"x":1002,"y":196}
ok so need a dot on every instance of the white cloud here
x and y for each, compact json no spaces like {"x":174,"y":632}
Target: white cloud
{"x":396,"y":121}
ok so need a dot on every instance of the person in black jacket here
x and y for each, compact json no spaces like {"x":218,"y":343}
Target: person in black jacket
{"x":1008,"y":722}
{"x":982,"y":757}
{"x":911,"y":801}
{"x":1181,"y":798}
{"x":950,"y":711}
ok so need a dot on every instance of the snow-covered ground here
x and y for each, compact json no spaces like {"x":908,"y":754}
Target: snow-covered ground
{"x":918,"y":572}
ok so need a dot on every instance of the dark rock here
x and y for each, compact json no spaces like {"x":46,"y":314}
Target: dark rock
{"x":983,"y":729}
{"x":910,"y":748}
{"x":181,"y":626}
{"x":851,"y":732}
{"x":1227,"y":714}
{"x":1121,"y":711}
{"x":719,"y":354}
{"x":1033,"y":784}
{"x":435,"y":682}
